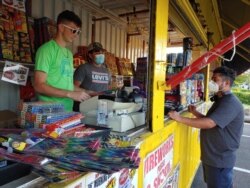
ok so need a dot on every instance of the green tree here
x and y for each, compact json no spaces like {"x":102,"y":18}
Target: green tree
{"x":243,"y":78}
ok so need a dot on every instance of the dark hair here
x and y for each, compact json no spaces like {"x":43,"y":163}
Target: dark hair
{"x":69,"y":16}
{"x":227,"y":73}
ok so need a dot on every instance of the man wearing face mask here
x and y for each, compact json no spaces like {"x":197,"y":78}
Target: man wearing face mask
{"x":93,"y":76}
{"x":221,"y":130}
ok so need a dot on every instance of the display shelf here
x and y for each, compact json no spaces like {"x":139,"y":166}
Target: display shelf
{"x":237,"y":37}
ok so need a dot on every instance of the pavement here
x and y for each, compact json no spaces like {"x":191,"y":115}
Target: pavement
{"x":242,"y":168}
{"x":247,"y":115}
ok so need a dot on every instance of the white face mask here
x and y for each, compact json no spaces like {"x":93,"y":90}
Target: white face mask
{"x":213,"y":87}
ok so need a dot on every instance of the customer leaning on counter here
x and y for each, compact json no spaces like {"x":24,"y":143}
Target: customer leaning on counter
{"x":221,"y":129}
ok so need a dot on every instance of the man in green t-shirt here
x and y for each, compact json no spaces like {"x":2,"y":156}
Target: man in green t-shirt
{"x":53,"y":79}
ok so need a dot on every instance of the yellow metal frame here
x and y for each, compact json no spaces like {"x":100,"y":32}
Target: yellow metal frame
{"x":186,"y":139}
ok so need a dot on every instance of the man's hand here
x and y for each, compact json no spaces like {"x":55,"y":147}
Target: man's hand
{"x":174,"y":115}
{"x":192,"y":109}
{"x":78,"y":95}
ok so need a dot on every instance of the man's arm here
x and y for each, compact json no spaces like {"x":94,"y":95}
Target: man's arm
{"x":202,"y":123}
{"x":192,"y":109}
{"x":89,"y":92}
{"x":77,"y":86}
{"x":42,"y":87}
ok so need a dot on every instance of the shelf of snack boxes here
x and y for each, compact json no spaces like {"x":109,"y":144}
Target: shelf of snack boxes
{"x":190,"y":91}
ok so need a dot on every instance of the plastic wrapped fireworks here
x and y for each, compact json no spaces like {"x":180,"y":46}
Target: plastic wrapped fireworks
{"x":30,"y":112}
{"x":61,"y":147}
{"x":66,"y":157}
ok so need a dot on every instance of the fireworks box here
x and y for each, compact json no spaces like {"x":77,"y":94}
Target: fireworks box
{"x":41,"y":107}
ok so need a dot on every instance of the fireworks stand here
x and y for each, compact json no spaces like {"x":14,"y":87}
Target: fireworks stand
{"x":120,"y":138}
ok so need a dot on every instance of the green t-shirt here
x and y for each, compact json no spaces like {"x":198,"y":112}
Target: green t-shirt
{"x":57,"y":63}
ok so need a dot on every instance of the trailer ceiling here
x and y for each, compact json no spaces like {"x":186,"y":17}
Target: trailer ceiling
{"x":219,"y":17}
{"x":233,"y":15}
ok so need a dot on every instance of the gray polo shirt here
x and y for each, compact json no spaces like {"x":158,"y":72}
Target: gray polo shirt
{"x":219,"y":144}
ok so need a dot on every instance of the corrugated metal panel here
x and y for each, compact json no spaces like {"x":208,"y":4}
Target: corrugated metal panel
{"x":9,"y":96}
{"x":53,"y":8}
{"x":123,"y":44}
{"x":103,"y":33}
{"x":112,"y":37}
{"x":108,"y":37}
{"x":49,"y":10}
{"x":135,"y":48}
{"x":112,"y":42}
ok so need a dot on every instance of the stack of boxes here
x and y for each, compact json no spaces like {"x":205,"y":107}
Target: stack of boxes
{"x":188,"y":92}
{"x":110,"y":62}
{"x":34,"y":114}
{"x":141,"y":73}
{"x":124,"y":66}
{"x":14,"y":37}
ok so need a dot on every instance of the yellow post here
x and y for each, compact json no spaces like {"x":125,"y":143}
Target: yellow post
{"x":159,"y":37}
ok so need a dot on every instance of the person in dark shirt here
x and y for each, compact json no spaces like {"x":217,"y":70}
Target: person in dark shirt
{"x":93,"y":76}
{"x":221,"y":130}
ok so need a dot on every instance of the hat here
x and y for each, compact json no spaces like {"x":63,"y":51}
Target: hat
{"x":95,"y":46}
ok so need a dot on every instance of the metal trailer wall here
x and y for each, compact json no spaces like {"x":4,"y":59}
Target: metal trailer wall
{"x":9,"y":95}
{"x":113,"y":38}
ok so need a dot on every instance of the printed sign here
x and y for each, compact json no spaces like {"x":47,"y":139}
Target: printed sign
{"x":173,"y":178}
{"x":158,"y":164}
{"x":15,"y":73}
{"x":125,"y":178}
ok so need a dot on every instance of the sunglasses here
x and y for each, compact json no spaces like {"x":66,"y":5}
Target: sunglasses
{"x":73,"y":30}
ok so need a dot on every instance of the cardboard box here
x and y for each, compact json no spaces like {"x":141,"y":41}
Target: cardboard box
{"x":8,"y":119}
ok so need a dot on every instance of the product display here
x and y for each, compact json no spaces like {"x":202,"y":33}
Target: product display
{"x":140,"y":78}
{"x":14,"y":36}
{"x":189,"y":91}
{"x":110,"y":61}
{"x":124,"y":66}
{"x":62,"y":149}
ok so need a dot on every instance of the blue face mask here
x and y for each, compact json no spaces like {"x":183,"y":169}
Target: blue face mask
{"x":99,"y":59}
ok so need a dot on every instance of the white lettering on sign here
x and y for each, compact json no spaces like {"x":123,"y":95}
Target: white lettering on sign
{"x":98,"y":77}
